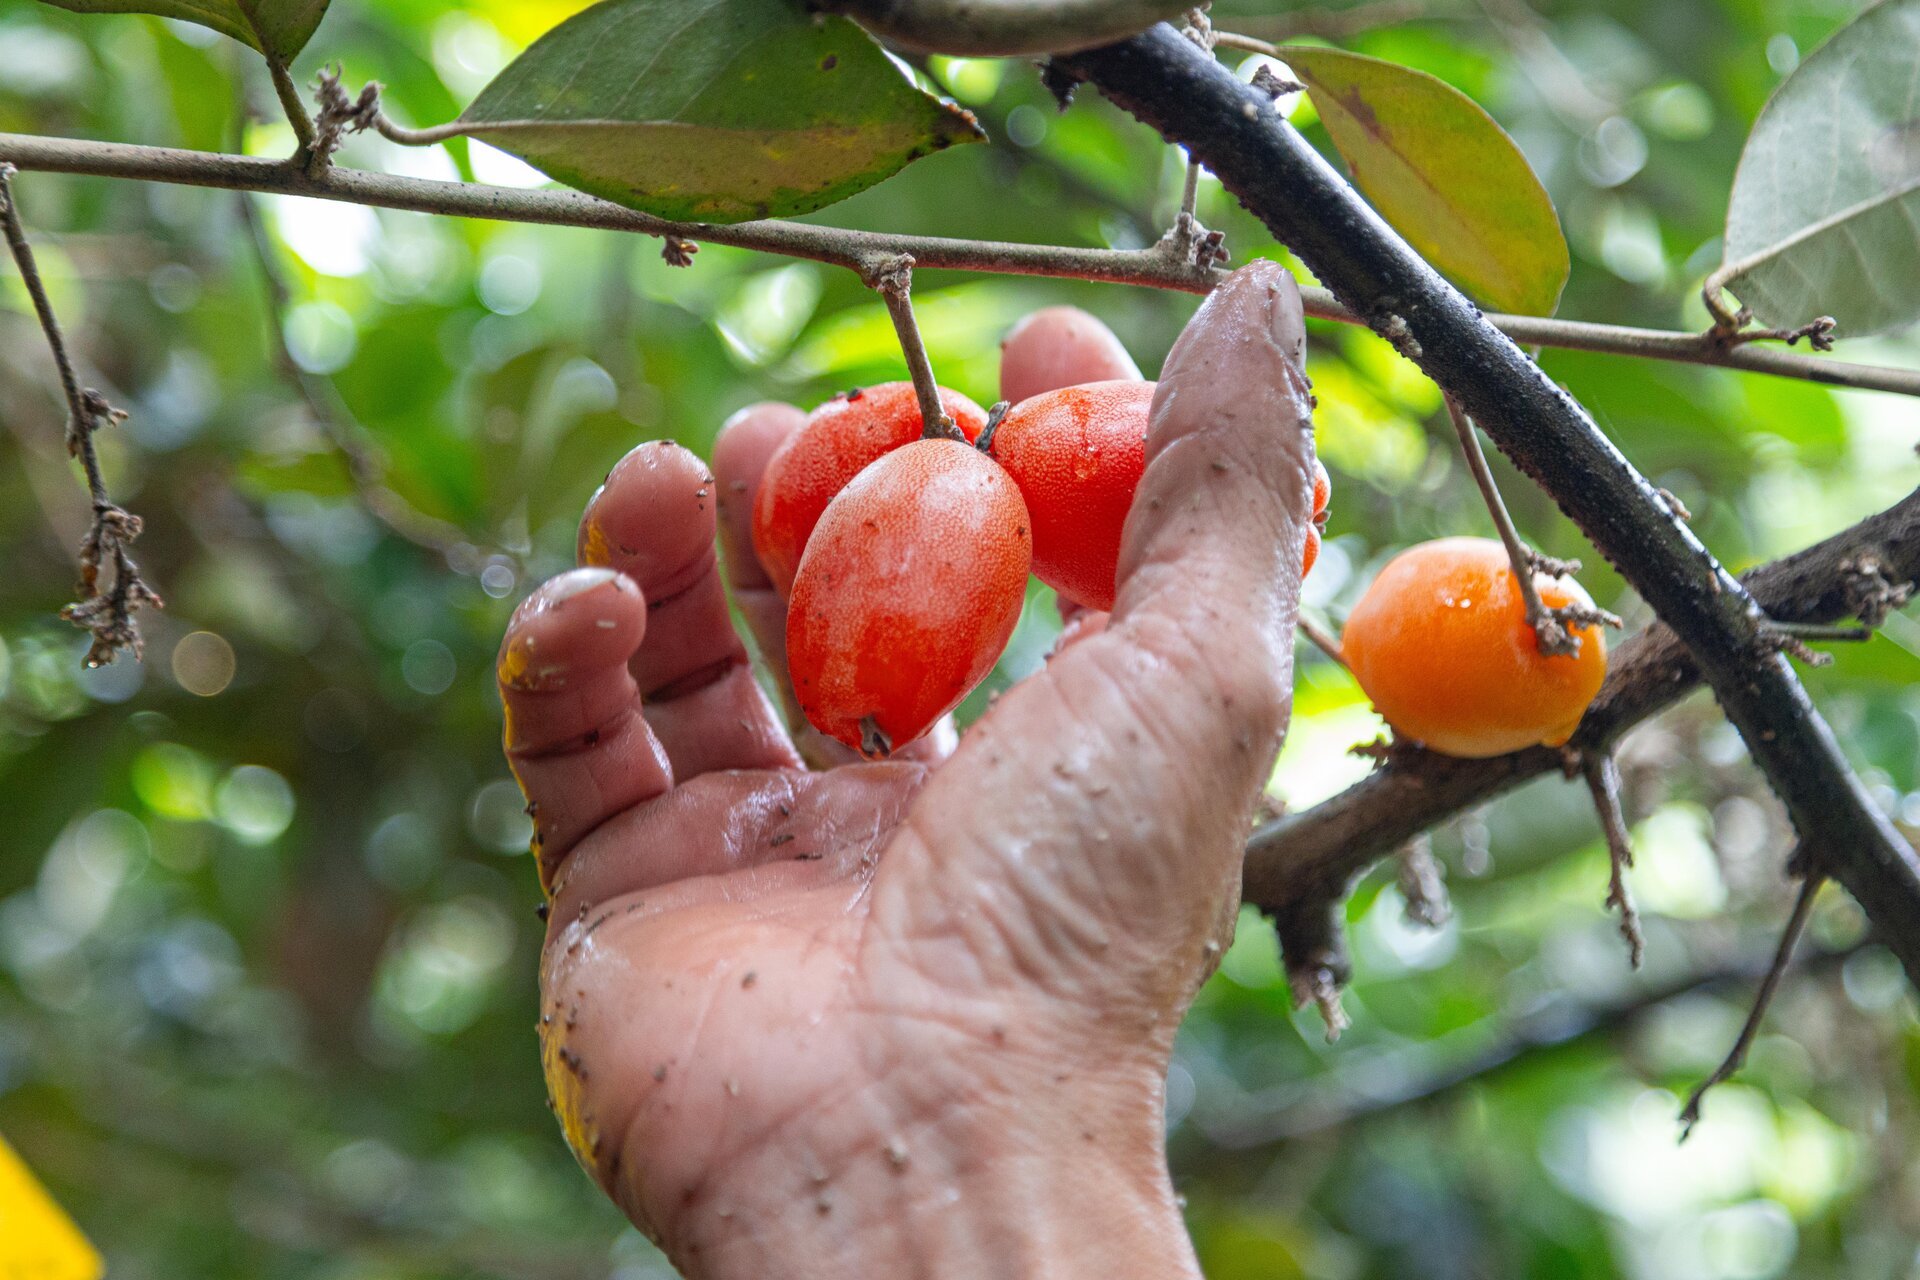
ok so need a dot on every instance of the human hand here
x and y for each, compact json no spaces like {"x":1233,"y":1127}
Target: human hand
{"x":911,"y":1017}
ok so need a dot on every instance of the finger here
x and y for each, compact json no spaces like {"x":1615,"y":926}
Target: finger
{"x":740,"y":455}
{"x":655,"y":520}
{"x":1060,"y":347}
{"x":574,"y":736}
{"x":1123,"y":775}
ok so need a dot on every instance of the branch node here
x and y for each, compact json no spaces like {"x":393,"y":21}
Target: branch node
{"x":678,"y":252}
{"x":1871,"y":593}
{"x":1269,"y":82}
{"x":339,"y":116}
{"x":1603,"y":780}
{"x":1423,"y":883}
{"x":1782,"y":956}
{"x":1674,"y":504}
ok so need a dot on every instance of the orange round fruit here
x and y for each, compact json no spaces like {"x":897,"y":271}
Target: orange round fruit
{"x":816,"y":462}
{"x":1440,"y":644}
{"x":907,"y":594}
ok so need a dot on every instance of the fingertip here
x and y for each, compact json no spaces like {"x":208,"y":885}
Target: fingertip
{"x":585,"y":620}
{"x":741,"y":451}
{"x":1060,"y":347}
{"x":654,"y":517}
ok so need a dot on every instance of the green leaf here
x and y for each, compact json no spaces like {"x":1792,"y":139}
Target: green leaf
{"x":1444,"y":174}
{"x":1825,"y":213}
{"x":277,"y":28}
{"x":712,"y":110}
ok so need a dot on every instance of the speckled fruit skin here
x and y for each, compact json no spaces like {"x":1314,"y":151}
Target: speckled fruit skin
{"x":1322,"y":494}
{"x":1441,"y":645}
{"x":816,"y":462}
{"x":1077,"y":455}
{"x":908,"y":591}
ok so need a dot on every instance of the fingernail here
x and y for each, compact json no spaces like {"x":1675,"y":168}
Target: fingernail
{"x":577,"y":582}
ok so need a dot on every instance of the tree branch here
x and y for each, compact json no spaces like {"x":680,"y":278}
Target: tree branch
{"x":846,"y":248}
{"x":1002,"y":28}
{"x":1363,"y":1087}
{"x":108,"y":614}
{"x":1191,"y":99}
{"x":1316,"y":852}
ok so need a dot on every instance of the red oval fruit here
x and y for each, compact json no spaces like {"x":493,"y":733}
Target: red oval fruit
{"x":1322,"y":494}
{"x":830,"y":448}
{"x":1077,"y":455}
{"x":909,"y":588}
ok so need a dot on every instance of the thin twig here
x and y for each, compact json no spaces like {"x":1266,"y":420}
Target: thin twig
{"x":844,"y":247}
{"x":1603,"y":780}
{"x":289,"y":95}
{"x":328,"y":413}
{"x":108,"y":615}
{"x":1553,"y":627}
{"x":1186,"y":240}
{"x":1820,"y":630}
{"x":892,"y":279}
{"x":1782,"y":956}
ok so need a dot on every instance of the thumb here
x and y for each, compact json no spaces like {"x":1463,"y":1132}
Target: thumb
{"x":1122,"y":777}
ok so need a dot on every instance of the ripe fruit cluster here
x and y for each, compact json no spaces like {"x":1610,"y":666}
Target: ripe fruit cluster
{"x":905,"y":559}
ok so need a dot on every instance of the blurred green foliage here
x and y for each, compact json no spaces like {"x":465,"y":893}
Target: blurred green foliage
{"x":266,"y":924}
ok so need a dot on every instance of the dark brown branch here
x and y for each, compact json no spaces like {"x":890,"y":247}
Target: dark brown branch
{"x":108,"y":614}
{"x":1232,"y":128}
{"x":846,"y":248}
{"x":1871,"y":566}
{"x":1782,"y":957}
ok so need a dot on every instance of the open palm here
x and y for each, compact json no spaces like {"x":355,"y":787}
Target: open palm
{"x":840,"y":1005}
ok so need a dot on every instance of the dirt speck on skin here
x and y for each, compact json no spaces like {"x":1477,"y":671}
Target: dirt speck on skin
{"x":660,"y":1073}
{"x":750,"y":978}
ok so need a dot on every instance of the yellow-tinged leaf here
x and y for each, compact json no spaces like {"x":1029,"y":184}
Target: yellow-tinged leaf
{"x":38,"y":1241}
{"x":1444,"y":173}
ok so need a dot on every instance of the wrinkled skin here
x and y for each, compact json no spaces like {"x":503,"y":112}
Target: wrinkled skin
{"x":914,"y":1017}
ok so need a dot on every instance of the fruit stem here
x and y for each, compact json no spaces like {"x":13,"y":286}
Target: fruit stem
{"x":1323,"y":639}
{"x":892,"y":279}
{"x":874,"y":742}
{"x":1603,"y":780}
{"x":1550,"y":626}
{"x":995,"y":416}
